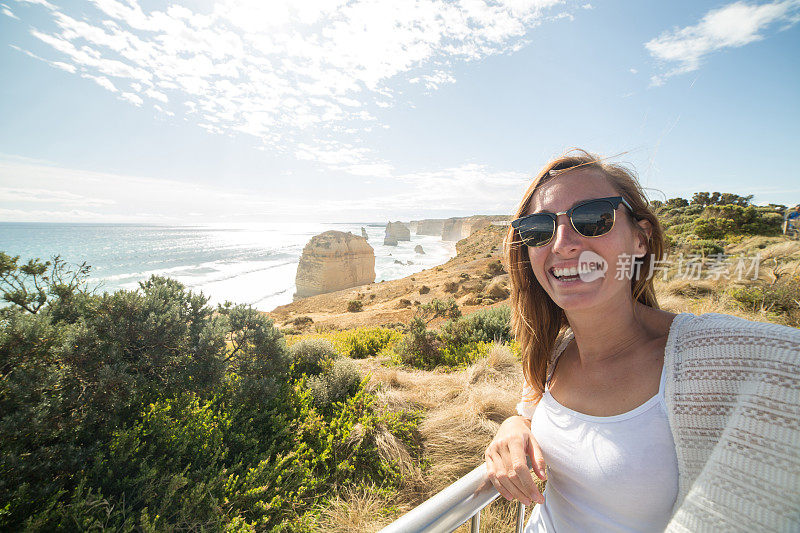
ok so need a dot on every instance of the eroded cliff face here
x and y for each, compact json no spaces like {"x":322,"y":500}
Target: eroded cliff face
{"x":332,"y":261}
{"x":396,"y":231}
{"x":455,"y":229}
{"x":451,"y":230}
{"x":429,"y":226}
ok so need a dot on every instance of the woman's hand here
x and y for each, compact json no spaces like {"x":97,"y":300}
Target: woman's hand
{"x":507,"y":465}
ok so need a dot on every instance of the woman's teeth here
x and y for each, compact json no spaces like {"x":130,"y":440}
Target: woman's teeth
{"x":562,"y":272}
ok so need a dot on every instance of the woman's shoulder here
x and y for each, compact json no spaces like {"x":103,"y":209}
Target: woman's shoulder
{"x":708,"y":330}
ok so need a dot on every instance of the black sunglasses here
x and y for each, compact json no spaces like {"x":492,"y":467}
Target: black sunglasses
{"x":591,"y":218}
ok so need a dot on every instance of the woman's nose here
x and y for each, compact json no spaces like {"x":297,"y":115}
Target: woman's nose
{"x":566,"y":240}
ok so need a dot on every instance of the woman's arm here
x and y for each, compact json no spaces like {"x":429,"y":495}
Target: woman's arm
{"x":507,"y":465}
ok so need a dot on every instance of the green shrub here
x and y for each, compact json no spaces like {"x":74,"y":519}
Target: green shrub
{"x":337,"y":384}
{"x":302,"y":321}
{"x":354,"y":306}
{"x":705,"y":247}
{"x":783,"y":296}
{"x":464,"y":354}
{"x":424,"y":289}
{"x":419,"y":347}
{"x":361,"y":342}
{"x":312,"y":356}
{"x":439,"y":308}
{"x":484,"y":326}
{"x":495,"y":268}
{"x":450,"y":286}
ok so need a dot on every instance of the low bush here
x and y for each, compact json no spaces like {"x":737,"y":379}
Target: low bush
{"x":337,"y":384}
{"x":450,"y":286}
{"x":419,"y":347}
{"x":312,"y":356}
{"x":360,"y":342}
{"x":354,"y":306}
{"x":455,"y":356}
{"x":495,"y":268}
{"x":783,"y":296}
{"x":486,"y":325}
{"x":302,"y":321}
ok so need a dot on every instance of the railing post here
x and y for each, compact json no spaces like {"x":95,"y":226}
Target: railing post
{"x":475,"y":523}
{"x":520,"y":517}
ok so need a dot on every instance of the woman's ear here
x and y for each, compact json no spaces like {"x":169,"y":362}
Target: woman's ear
{"x":647,"y":230}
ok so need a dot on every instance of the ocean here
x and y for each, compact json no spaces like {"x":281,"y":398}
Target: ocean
{"x":249,"y":264}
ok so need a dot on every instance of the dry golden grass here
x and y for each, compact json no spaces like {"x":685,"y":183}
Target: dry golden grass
{"x":360,"y":510}
{"x":462,"y":413}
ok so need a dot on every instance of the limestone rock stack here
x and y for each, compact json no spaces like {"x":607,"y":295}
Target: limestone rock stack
{"x":396,"y":231}
{"x":364,"y":233}
{"x":332,"y":261}
{"x":418,"y":249}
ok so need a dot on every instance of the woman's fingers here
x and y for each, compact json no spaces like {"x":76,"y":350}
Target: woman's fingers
{"x":507,"y":469}
{"x":494,"y":467}
{"x":535,"y":453}
{"x":517,"y":469}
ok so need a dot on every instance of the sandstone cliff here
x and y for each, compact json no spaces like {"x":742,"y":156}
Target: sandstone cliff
{"x":396,"y":231}
{"x":451,"y":229}
{"x":332,"y":261}
{"x":430,"y":226}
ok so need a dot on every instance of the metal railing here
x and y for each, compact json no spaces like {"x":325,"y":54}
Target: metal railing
{"x":453,"y":506}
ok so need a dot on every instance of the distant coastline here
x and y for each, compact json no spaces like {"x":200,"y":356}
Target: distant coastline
{"x":244,"y":263}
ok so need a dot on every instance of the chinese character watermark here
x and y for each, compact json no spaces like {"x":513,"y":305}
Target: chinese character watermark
{"x":691,"y":267}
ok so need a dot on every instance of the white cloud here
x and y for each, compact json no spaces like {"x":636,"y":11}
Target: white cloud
{"x":35,"y":191}
{"x":633,"y":71}
{"x":283,"y":71}
{"x":103,"y":82}
{"x":14,"y":194}
{"x":132,"y":98}
{"x":731,"y":26}
{"x":157,"y":95}
{"x":7,"y":12}
{"x":587,"y":6}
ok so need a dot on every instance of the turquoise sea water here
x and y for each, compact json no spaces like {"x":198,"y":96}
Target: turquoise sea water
{"x":253,"y":264}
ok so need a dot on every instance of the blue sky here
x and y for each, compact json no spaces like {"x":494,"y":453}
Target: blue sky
{"x":240,"y":111}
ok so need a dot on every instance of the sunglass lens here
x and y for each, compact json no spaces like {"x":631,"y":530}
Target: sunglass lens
{"x":536,"y":230}
{"x":594,"y":218}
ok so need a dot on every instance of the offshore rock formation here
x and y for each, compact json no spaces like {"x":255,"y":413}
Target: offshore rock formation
{"x":332,"y":261}
{"x":396,"y":231}
{"x":418,"y":249}
{"x":364,"y":233}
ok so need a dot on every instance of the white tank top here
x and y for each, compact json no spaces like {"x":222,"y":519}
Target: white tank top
{"x":605,"y":473}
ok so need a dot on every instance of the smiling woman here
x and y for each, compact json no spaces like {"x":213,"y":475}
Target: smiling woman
{"x":639,"y":419}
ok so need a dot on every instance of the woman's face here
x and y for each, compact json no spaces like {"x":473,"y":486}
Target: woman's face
{"x":617,"y":247}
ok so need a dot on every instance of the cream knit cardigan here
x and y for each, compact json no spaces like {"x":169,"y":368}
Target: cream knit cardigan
{"x":733,"y":401}
{"x":732,"y":391}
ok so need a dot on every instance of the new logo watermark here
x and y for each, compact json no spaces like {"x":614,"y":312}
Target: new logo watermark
{"x":591,"y":266}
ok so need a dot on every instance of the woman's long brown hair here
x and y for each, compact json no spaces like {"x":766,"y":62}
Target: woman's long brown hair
{"x":538,"y":323}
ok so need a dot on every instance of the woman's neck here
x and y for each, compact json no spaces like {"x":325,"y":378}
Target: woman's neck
{"x":604,"y":335}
